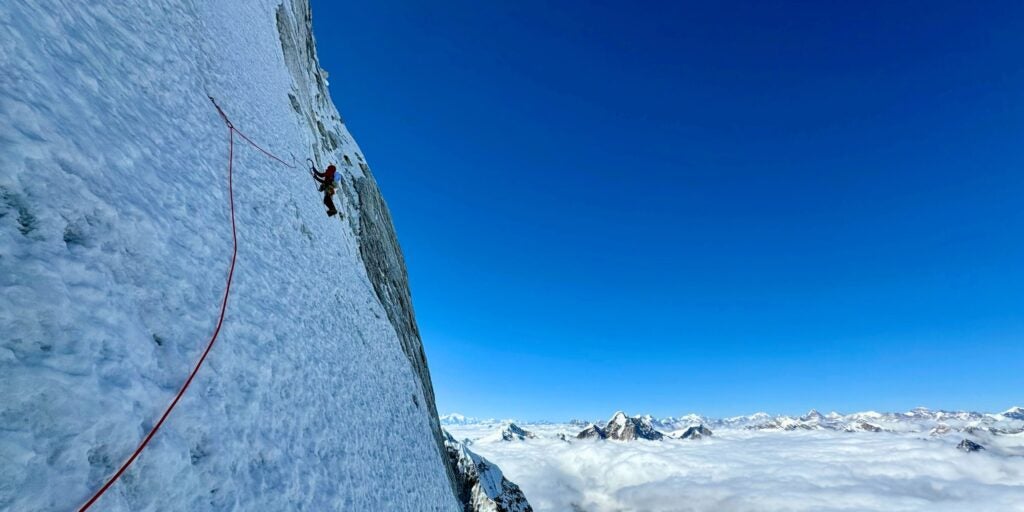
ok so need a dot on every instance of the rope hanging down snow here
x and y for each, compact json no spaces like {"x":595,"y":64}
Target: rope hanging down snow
{"x":223,"y":305}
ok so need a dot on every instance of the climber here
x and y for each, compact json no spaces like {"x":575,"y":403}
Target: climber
{"x":326,"y":181}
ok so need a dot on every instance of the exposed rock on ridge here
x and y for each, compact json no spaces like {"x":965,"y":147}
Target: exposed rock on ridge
{"x":484,"y":487}
{"x":694,"y":432}
{"x":623,"y":428}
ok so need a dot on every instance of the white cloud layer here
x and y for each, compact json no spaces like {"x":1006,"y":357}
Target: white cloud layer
{"x":739,"y":471}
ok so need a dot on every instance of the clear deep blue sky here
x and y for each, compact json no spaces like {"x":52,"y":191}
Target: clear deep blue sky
{"x":699,"y":206}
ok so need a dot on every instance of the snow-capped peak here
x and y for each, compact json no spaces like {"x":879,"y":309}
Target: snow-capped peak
{"x":509,"y":432}
{"x":619,"y":418}
{"x":625,"y":428}
{"x":1013,"y":413}
{"x":813,"y":414}
{"x":513,"y":432}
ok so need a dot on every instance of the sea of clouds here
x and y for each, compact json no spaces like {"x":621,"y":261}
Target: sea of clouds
{"x":739,"y":470}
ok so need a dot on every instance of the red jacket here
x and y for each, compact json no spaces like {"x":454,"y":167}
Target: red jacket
{"x":327,"y":176}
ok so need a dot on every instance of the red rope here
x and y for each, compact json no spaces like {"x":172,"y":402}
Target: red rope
{"x":220,"y":320}
{"x":265,"y":152}
{"x":247,"y":139}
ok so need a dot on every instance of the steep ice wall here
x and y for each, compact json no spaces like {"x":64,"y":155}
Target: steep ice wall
{"x":114,"y":247}
{"x":378,"y":242}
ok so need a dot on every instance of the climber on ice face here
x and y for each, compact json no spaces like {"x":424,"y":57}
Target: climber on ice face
{"x":326,"y":181}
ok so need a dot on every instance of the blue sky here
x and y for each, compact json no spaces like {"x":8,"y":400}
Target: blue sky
{"x":699,"y":206}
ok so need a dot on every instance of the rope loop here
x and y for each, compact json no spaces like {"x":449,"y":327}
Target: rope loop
{"x":223,"y":306}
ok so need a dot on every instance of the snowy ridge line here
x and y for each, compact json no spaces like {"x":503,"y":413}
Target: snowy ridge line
{"x":223,"y":306}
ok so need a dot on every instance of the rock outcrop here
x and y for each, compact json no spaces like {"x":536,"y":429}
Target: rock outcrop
{"x":513,"y":432}
{"x":969,"y":446}
{"x":592,"y":431}
{"x":694,"y":432}
{"x":484,"y":487}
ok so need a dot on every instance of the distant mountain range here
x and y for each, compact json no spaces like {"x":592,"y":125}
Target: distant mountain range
{"x":980,"y":427}
{"x":921,"y":419}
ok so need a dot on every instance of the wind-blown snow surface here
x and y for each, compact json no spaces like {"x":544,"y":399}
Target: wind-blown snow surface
{"x":114,"y":248}
{"x":751,"y":470}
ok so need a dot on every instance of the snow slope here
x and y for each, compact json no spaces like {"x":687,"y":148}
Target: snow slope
{"x":114,"y":248}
